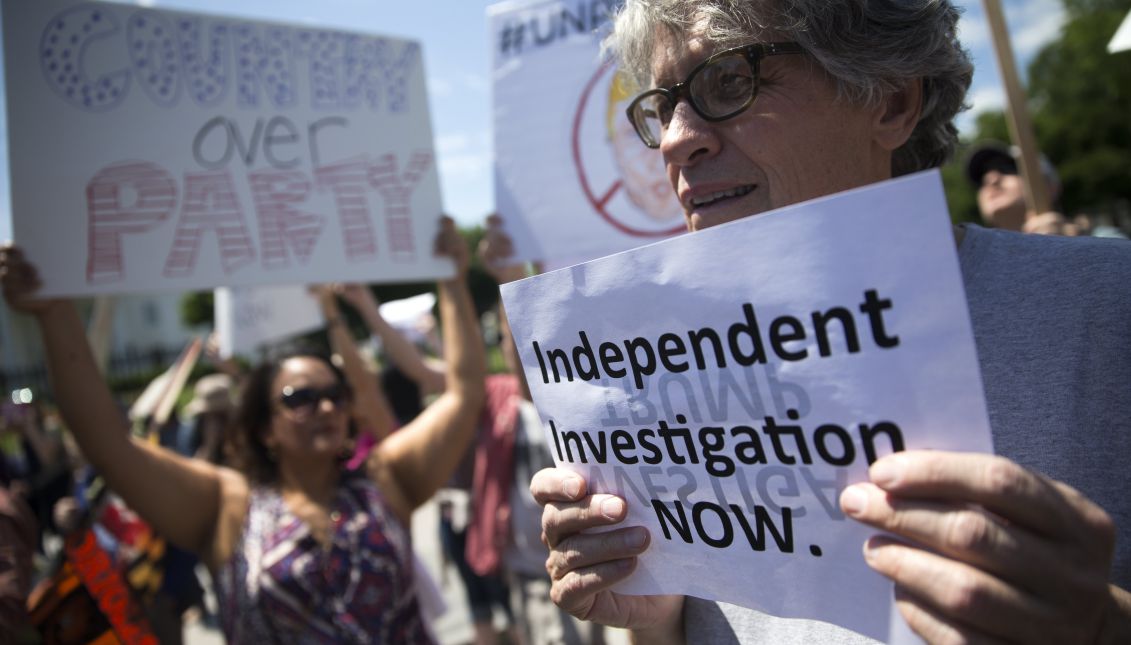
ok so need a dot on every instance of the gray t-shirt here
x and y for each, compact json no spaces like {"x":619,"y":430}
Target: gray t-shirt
{"x":1052,"y":325}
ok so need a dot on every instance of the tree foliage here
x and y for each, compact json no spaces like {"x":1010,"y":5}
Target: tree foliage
{"x":1080,"y":99}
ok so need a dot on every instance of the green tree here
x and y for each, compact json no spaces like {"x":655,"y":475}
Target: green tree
{"x":197,"y":309}
{"x":1081,"y":97}
{"x":960,"y":195}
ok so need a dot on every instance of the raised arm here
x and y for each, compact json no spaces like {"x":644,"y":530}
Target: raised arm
{"x":400,"y":350}
{"x":496,"y":252}
{"x":423,"y":455}
{"x":177,"y":496}
{"x":369,"y":403}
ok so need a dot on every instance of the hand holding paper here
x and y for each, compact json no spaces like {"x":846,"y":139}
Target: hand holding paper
{"x":727,"y":386}
{"x":1012,"y":555}
{"x":583,"y":566}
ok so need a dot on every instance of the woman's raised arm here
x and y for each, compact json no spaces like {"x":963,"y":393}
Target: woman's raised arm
{"x":178,"y":497}
{"x":423,"y":455}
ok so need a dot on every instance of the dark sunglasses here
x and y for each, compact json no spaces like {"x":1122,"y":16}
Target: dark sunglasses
{"x":717,"y":89}
{"x":305,"y":400}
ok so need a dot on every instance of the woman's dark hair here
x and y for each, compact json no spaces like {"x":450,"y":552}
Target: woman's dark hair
{"x":244,"y":439}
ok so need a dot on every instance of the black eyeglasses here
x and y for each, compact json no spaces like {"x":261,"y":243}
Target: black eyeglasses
{"x":717,"y":89}
{"x":303,"y":401}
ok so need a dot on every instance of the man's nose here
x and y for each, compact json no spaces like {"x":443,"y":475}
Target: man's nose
{"x":688,"y":137}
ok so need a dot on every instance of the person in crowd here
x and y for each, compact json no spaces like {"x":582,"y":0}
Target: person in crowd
{"x":414,"y":375}
{"x":206,"y":416}
{"x":504,"y":536}
{"x":301,"y":550}
{"x":37,"y":460}
{"x":992,"y":169}
{"x":400,"y":351}
{"x":372,"y":411}
{"x":18,"y":534}
{"x":758,"y":105}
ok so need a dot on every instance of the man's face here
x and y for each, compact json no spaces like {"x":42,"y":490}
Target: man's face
{"x":1001,"y":200}
{"x":796,"y":142}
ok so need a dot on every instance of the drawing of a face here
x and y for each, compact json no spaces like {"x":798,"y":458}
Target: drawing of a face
{"x":641,"y":169}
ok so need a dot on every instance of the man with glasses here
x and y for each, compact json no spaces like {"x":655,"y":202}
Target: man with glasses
{"x":761,"y":104}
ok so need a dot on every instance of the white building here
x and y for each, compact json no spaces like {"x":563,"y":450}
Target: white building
{"x":142,"y":325}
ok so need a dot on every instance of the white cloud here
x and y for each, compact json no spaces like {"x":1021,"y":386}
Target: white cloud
{"x":476,"y":82}
{"x":981,"y":99}
{"x":440,"y":88}
{"x":463,"y":155}
{"x":990,"y":97}
{"x":451,"y":143}
{"x":1035,"y":23}
{"x":465,"y":166}
{"x":1032,"y":24}
{"x":973,"y":32}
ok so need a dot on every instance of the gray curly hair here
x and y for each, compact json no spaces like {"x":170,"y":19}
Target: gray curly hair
{"x":869,"y":47}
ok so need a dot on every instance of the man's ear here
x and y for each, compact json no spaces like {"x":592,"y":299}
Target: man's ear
{"x":898,"y":114}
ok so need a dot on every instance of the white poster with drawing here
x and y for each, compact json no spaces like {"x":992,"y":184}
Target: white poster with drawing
{"x":573,"y":182}
{"x":248,"y":317}
{"x":729,"y":384}
{"x":160,"y":150}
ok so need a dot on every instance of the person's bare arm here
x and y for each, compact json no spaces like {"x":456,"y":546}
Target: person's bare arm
{"x":400,"y":350}
{"x":179,"y":497}
{"x":424,"y":454}
{"x":369,"y":403}
{"x":496,"y":251}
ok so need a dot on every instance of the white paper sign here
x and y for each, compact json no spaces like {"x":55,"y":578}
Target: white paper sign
{"x":153,"y":149}
{"x":247,"y":317}
{"x":406,"y":312}
{"x":729,"y":384}
{"x":573,"y":182}
{"x":1121,"y":41}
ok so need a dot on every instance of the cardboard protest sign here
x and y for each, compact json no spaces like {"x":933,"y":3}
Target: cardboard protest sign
{"x":729,"y":384}
{"x":247,"y":317}
{"x":161,"y":150}
{"x":573,"y":182}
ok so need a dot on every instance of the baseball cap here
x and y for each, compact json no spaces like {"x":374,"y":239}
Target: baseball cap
{"x":994,"y":155}
{"x":989,"y":156}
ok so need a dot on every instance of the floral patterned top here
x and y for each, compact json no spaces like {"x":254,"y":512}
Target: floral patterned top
{"x":282,"y":586}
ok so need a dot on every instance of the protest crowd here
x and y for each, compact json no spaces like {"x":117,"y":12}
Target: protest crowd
{"x":274,"y":501}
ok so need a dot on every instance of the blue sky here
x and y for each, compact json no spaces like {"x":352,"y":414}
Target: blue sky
{"x":457,"y":59}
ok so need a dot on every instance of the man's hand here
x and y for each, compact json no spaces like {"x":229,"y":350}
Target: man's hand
{"x":583,"y":566}
{"x":999,"y":552}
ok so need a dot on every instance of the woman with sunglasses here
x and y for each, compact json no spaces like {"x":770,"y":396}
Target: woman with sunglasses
{"x":301,"y":551}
